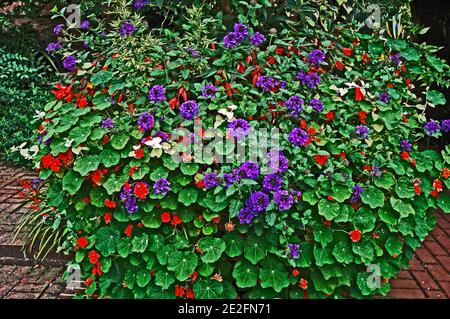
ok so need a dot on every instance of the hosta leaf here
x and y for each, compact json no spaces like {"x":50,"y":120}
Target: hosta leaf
{"x":373,"y":197}
{"x":208,"y":289}
{"x":246,"y":274}
{"x":105,"y":241}
{"x":183,"y":264}
{"x":328,"y":209}
{"x":212,"y":249}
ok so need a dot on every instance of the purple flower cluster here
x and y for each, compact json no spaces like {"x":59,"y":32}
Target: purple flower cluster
{"x":139,"y":4}
{"x":356,"y":195}
{"x":298,"y":137}
{"x":278,"y":163}
{"x":272,"y":182}
{"x":189,"y":110}
{"x":70,"y":63}
{"x":375,"y":171}
{"x":316,"y":105}
{"x":126,"y":29}
{"x":311,"y":79}
{"x":108,"y":123}
{"x":194,"y":53}
{"x":146,"y":121}
{"x":257,"y":39}
{"x":270,"y":84}
{"x":295,"y":105}
{"x":58,"y":28}
{"x":384,"y":97}
{"x":283,"y":199}
{"x":257,"y":202}
{"x":316,"y":57}
{"x":362,"y":131}
{"x":157,"y":93}
{"x":85,"y":25}
{"x":36,"y":182}
{"x":432,"y":127}
{"x":235,"y":38}
{"x":294,"y":250}
{"x":405,"y":145}
{"x":53,"y":47}
{"x":239,"y":128}
{"x":211,"y":180}
{"x":126,"y":194}
{"x":209,"y":91}
{"x":396,"y":58}
{"x":445,"y":126}
{"x":249,"y":170}
{"x":161,"y":186}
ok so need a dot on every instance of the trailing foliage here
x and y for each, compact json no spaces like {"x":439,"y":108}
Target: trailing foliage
{"x":352,"y":189}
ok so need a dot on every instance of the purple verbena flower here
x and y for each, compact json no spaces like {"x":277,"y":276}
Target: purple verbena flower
{"x":357,"y":190}
{"x":209,"y":91}
{"x":189,"y":110}
{"x":298,"y":137}
{"x":396,"y":58}
{"x":245,"y":216}
{"x":432,"y":127}
{"x":70,"y":63}
{"x":239,"y":128}
{"x":161,"y":186}
{"x":194,"y":53}
{"x":108,"y":123}
{"x":405,"y":145}
{"x":85,"y":25}
{"x":35,"y":182}
{"x":211,"y":180}
{"x":241,"y":31}
{"x":316,"y":57}
{"x":146,"y":121}
{"x":157,"y":93}
{"x":257,"y":38}
{"x":317,"y":105}
{"x":294,"y":250}
{"x":270,"y":84}
{"x":53,"y":47}
{"x":257,"y":202}
{"x":139,"y":4}
{"x":445,"y":126}
{"x":278,"y":163}
{"x":126,"y":29}
{"x":272,"y":182}
{"x":362,"y":131}
{"x":130,"y":205}
{"x":58,"y":28}
{"x":283,"y":199}
{"x":295,"y":105}
{"x":384,"y":97}
{"x":375,"y":171}
{"x":248,"y":170}
{"x":229,"y":179}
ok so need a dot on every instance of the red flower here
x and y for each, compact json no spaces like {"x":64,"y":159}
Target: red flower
{"x":81,"y":101}
{"x":330,"y":198}
{"x":173,"y":103}
{"x":139,"y":153}
{"x":295,"y":272}
{"x":194,"y":276}
{"x":417,"y":190}
{"x":128,"y":230}
{"x":446,"y":173}
{"x":107,"y":217}
{"x":241,"y":68}
{"x":365,"y":58}
{"x":200,"y":184}
{"x":359,"y":96}
{"x":330,"y":115}
{"x":321,"y":159}
{"x":279,"y":51}
{"x":82,"y":242}
{"x":311,"y":131}
{"x":63,"y":92}
{"x":347,"y":51}
{"x":362,"y":117}
{"x":303,"y":283}
{"x":132,"y":170}
{"x":86,"y":200}
{"x":437,"y":185}
{"x":405,"y":155}
{"x":110,"y":204}
{"x":88,"y":281}
{"x":165,"y":217}
{"x":355,"y":235}
{"x":190,"y":294}
{"x":93,"y":256}
{"x":339,"y":65}
{"x":303,"y":124}
{"x":271,"y":60}
{"x":66,"y":157}
{"x":97,"y":271}
{"x":141,"y":190}
{"x":216,"y":220}
{"x":105,"y":139}
{"x":48,"y":161}
{"x":434,"y":193}
{"x":179,"y":291}
{"x":176,"y":220}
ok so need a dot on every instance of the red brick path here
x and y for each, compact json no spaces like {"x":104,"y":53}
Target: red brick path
{"x":428,"y":276}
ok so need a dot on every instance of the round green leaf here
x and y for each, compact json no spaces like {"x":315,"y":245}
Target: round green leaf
{"x":139,"y":243}
{"x":274,"y":277}
{"x":187,"y":196}
{"x":208,"y":289}
{"x":109,"y":158}
{"x":105,"y":240}
{"x":246,"y":274}
{"x":164,"y":278}
{"x":393,"y":246}
{"x":405,"y":209}
{"x":235,"y":244}
{"x":72,"y":182}
{"x":328,"y":209}
{"x":405,"y":188}
{"x":183,"y":263}
{"x":212,"y":249}
{"x":342,"y":251}
{"x":120,"y":140}
{"x":373,"y":197}
{"x":255,"y":249}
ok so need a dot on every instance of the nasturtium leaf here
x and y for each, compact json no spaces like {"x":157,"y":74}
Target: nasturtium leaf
{"x":123,"y":247}
{"x":342,"y":251}
{"x":205,"y":270}
{"x":393,"y":246}
{"x":157,"y":292}
{"x":215,"y":203}
{"x":109,"y":157}
{"x":388,"y":215}
{"x":212,"y":249}
{"x":229,"y":291}
{"x":405,"y":188}
{"x":386,"y":180}
{"x":365,"y":284}
{"x":78,"y":135}
{"x":404,"y":208}
{"x":140,"y":172}
{"x":208,"y":289}
{"x":86,"y":164}
{"x":101,"y":77}
{"x":151,"y":220}
{"x":365,"y":250}
{"x":274,"y":277}
{"x":187,"y":196}
{"x":306,"y":255}
{"x":114,"y":183}
{"x":164,"y":253}
{"x":246,"y":274}
{"x":323,"y":234}
{"x":310,"y":197}
{"x":189,"y":168}
{"x":158,"y":173}
{"x":183,"y":264}
{"x":143,"y":277}
{"x":436,"y":97}
{"x":255,"y":249}
{"x":234,"y":244}
{"x":71,"y":182}
{"x":155,"y":242}
{"x":443,"y":202}
{"x":411,"y":54}
{"x":322,"y":255}
{"x":364,"y":220}
{"x":98,"y":196}
{"x":373,"y":197}
{"x":164,"y":278}
{"x":328,"y":209}
{"x":139,"y":243}
{"x":325,"y":286}
{"x":120,"y":140}
{"x":105,"y":241}
{"x":341,"y":193}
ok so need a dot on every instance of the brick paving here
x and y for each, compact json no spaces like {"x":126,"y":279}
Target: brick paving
{"x":428,"y":275}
